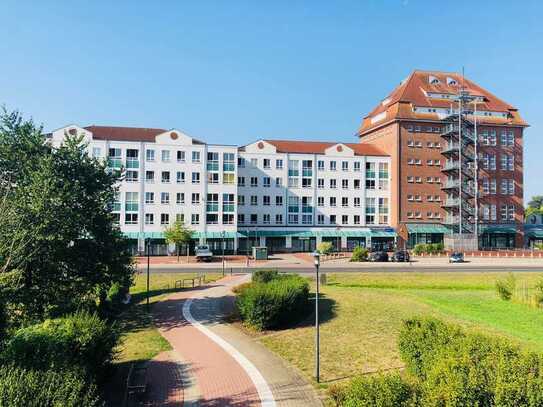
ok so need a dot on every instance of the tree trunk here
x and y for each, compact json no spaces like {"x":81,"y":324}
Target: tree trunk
{"x":188,"y":250}
{"x":177,"y":247}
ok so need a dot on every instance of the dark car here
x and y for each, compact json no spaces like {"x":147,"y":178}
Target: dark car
{"x":400,"y":256}
{"x":378,"y":256}
{"x":456,"y":257}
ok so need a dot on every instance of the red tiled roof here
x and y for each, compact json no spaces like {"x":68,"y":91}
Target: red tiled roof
{"x":123,"y":133}
{"x":318,"y":147}
{"x":411,"y":92}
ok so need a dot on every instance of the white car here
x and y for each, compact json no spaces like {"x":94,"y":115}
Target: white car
{"x":203,"y":253}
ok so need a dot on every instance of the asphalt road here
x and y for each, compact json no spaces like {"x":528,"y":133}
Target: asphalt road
{"x":366,"y":269}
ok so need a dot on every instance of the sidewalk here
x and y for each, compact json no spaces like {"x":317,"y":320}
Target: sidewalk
{"x":221,"y":365}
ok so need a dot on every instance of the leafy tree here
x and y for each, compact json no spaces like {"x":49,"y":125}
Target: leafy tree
{"x":178,"y":234}
{"x":68,"y":250}
{"x":535,"y":206}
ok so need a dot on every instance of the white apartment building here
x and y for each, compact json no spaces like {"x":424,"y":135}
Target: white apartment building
{"x":286,"y":195}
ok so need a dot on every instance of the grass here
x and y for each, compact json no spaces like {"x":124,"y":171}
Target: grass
{"x":362,"y":314}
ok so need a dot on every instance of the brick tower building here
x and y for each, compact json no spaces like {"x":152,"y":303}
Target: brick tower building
{"x":412,"y":125}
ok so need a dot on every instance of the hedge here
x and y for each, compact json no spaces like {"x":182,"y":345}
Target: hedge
{"x":264,"y":276}
{"x":80,"y":340}
{"x":45,"y":388}
{"x":448,"y":367}
{"x":430,"y":248}
{"x":359,"y":254}
{"x":273,"y":304}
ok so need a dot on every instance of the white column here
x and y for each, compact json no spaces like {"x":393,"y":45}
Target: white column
{"x":343,"y":242}
{"x":288,"y":242}
{"x":262,"y":241}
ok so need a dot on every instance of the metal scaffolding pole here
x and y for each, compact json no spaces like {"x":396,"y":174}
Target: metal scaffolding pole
{"x":476,"y":169}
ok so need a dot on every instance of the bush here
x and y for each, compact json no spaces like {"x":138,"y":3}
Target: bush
{"x":420,"y":248}
{"x":80,"y":340}
{"x":430,"y":248}
{"x":274,"y":304}
{"x":506,"y":287}
{"x":383,"y":391}
{"x":360,"y":254}
{"x":35,"y":388}
{"x":325,"y":247}
{"x":264,"y":276}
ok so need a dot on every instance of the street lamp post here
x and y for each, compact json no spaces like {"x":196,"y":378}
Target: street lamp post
{"x":148,"y":244}
{"x":316,"y":255}
{"x":222,"y":234}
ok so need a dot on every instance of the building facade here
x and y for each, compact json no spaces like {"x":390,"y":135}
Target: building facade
{"x":285,"y":195}
{"x":413,"y":125}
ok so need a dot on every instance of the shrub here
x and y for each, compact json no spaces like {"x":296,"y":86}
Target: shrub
{"x":360,"y":254}
{"x":281,"y":301}
{"x":506,"y":287}
{"x":48,"y":388}
{"x":79,"y":340}
{"x":325,"y":247}
{"x":420,"y":248}
{"x":538,"y":246}
{"x":383,"y":391}
{"x":264,"y":276}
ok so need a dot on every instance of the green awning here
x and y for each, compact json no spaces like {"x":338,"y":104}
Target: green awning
{"x":498,"y":229}
{"x":427,"y":228}
{"x":535,"y":233}
{"x":383,"y":233}
{"x":195,"y":235}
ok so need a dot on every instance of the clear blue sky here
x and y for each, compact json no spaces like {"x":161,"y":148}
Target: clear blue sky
{"x":232,"y":72}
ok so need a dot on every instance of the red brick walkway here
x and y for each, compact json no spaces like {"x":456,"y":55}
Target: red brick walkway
{"x":221,"y":381}
{"x":165,"y":379}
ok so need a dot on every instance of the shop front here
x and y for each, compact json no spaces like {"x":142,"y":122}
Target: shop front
{"x":425,"y":233}
{"x":497,"y":237}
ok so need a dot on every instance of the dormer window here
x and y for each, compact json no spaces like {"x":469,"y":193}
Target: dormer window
{"x":451,"y":82}
{"x":433,"y":80}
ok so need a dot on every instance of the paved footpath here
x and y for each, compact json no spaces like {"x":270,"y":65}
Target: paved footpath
{"x":218,"y":364}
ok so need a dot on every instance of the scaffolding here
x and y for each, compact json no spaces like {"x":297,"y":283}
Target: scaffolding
{"x":461,"y":170}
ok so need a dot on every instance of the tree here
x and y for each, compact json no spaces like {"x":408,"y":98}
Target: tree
{"x":535,"y":206}
{"x":178,"y":234}
{"x":69,"y":251}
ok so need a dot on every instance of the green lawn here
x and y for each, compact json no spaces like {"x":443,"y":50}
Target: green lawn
{"x":362,"y":314}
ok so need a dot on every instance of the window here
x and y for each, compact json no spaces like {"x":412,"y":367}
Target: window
{"x":307,"y":168}
{"x":180,"y":217}
{"x":149,"y":198}
{"x":241,"y":162}
{"x":278,"y":181}
{"x":96,"y":152}
{"x":241,"y":181}
{"x":195,"y":219}
{"x":345,"y":165}
{"x":254,"y":162}
{"x":307,"y":219}
{"x":293,"y":182}
{"x":293,"y":168}
{"x":180,"y":198}
{"x":356,"y":183}
{"x":410,"y":179}
{"x":212,"y":218}
{"x":320,"y":183}
{"x":493,"y":186}
{"x":131,"y":200}
{"x":254,"y":218}
{"x":320,"y":201}
{"x":492,"y":138}
{"x":165,"y":156}
{"x":292,"y":218}
{"x":278,"y":219}
{"x":507,"y":138}
{"x":195,"y":156}
{"x":332,"y":165}
{"x":507,"y":162}
{"x":180,"y":156}
{"x":131,"y":176}
{"x":278,"y":200}
{"x":333,"y":183}
{"x":164,"y":218}
{"x":357,"y":166}
{"x":164,"y":198}
{"x":370,"y":211}
{"x":132,"y":158}
{"x":267,"y":163}
{"x":212,"y":177}
{"x":212,"y":161}
{"x":332,"y":201}
{"x":130,"y":218}
{"x":357,"y":202}
{"x":241,"y":200}
{"x":266,"y":218}
{"x":507,"y":187}
{"x":332,"y":219}
{"x":254,"y":181}
{"x":267,"y":182}
{"x":254,"y":200}
{"x":383,"y":176}
{"x":241,"y":218}
{"x":320,"y":219}
{"x":180,"y":177}
{"x":508,"y":213}
{"x":357,"y":219}
{"x":345,"y":202}
{"x":320,"y":165}
{"x":195,"y":177}
{"x":344,"y":219}
{"x":266,"y":200}
{"x":165,"y":177}
{"x":306,"y":182}
{"x":345,"y":183}
{"x":293,"y":204}
{"x":149,"y":219}
{"x":228,"y":178}
{"x":228,"y":160}
{"x":195,"y":198}
{"x":278,"y":164}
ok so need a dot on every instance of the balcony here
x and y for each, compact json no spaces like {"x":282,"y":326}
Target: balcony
{"x":451,"y":203}
{"x":455,"y":184}
{"x":451,"y":220}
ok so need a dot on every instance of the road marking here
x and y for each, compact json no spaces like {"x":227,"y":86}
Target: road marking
{"x":264,"y":391}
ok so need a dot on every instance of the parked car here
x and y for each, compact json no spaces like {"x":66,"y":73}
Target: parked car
{"x":400,"y":256}
{"x":203,"y":253}
{"x":378,"y":256}
{"x":456,"y":257}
